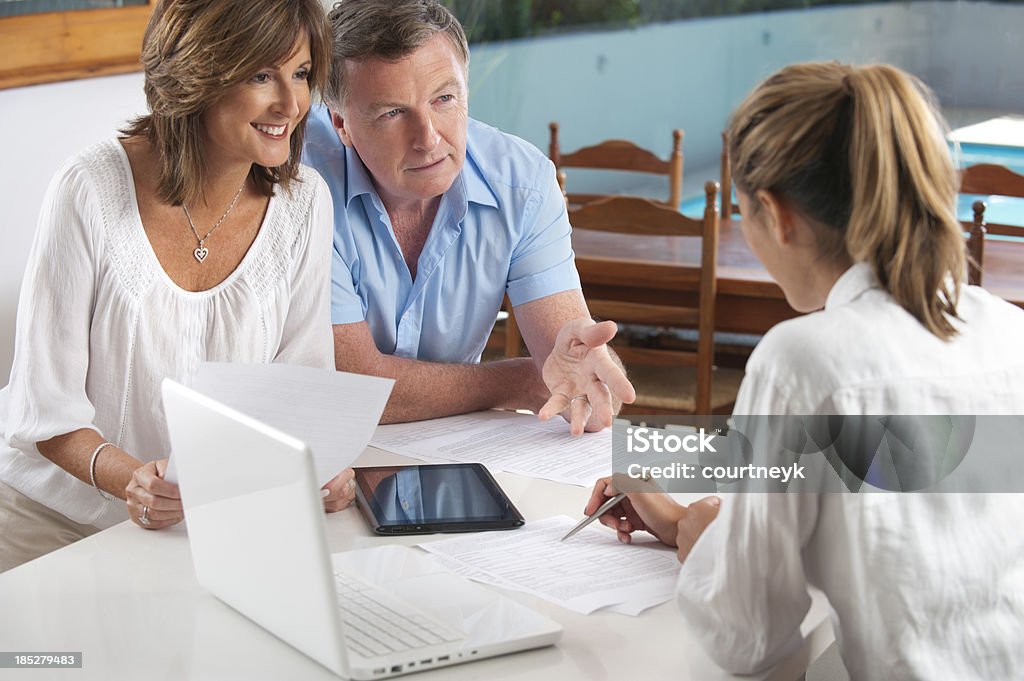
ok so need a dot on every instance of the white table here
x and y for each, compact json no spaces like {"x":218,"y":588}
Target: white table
{"x":128,"y":600}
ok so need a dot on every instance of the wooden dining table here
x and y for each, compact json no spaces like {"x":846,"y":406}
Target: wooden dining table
{"x":664,"y":270}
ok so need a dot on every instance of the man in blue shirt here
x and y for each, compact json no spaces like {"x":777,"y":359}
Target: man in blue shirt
{"x":437,"y":217}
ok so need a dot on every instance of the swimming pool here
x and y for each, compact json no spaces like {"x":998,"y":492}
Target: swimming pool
{"x":999,"y":209}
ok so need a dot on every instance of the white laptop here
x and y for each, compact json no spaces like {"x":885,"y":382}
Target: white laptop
{"x":256,"y":528}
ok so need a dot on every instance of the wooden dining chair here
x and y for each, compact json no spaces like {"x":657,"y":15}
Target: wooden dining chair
{"x":667,"y":381}
{"x":987,"y":179}
{"x":975,"y":233}
{"x":726,"y":180}
{"x":620,"y":155}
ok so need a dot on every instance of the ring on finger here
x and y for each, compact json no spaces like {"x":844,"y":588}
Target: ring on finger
{"x":144,"y":518}
{"x":579,"y":397}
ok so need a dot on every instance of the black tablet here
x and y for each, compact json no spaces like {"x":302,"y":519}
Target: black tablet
{"x":450,"y":497}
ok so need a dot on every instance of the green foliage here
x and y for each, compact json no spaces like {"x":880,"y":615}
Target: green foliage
{"x":490,"y":20}
{"x":487,"y":20}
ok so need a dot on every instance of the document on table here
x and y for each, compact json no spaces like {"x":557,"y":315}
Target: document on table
{"x":504,"y":442}
{"x":590,"y":571}
{"x":333,"y":412}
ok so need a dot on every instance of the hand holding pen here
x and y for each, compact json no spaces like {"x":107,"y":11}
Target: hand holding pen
{"x":646,"y":510}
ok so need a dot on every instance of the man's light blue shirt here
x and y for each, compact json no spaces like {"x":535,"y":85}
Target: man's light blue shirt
{"x":501,"y":227}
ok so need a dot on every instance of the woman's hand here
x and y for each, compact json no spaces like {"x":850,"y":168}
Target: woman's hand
{"x":646,"y":510}
{"x":340,"y":492}
{"x":691,"y":526}
{"x":153,"y":503}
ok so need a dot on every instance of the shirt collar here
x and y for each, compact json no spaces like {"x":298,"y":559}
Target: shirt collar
{"x":851,"y":284}
{"x":357,"y":178}
{"x":477,"y":188}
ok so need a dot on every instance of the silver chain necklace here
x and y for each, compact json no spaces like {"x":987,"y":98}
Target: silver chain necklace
{"x":202,"y":251}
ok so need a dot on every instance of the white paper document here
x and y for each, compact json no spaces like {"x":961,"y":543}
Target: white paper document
{"x":589,"y":571}
{"x":505,"y":442}
{"x":333,"y":412}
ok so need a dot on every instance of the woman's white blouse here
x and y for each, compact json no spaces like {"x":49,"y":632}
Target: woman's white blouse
{"x":923,"y":586}
{"x":100,"y":323}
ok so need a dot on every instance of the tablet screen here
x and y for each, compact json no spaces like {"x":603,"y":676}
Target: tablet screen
{"x":435,"y":498}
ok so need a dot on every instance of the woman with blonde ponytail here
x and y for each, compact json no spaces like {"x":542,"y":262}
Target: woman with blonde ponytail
{"x":847,"y":192}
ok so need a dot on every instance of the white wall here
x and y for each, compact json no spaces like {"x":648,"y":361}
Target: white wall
{"x":43,"y":126}
{"x":977,"y":55}
{"x":637,"y":84}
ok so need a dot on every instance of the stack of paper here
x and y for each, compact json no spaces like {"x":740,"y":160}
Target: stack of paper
{"x":504,"y":442}
{"x":589,"y":571}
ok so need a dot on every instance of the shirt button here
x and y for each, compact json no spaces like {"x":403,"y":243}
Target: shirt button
{"x":405,"y":505}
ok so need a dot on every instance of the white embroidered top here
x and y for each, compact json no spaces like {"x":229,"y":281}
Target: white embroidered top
{"x":100,"y":323}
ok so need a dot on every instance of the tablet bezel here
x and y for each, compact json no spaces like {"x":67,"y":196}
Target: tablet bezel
{"x":363,"y":492}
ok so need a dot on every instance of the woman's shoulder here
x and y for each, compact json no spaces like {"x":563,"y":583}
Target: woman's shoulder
{"x":874,"y":341}
{"x":293,"y":226}
{"x":100,"y":163}
{"x":87,"y":185}
{"x":86,"y":169}
{"x":823,"y":351}
{"x":990,"y":328}
{"x":304,"y":189}
{"x":309,"y":177}
{"x":812,"y":341}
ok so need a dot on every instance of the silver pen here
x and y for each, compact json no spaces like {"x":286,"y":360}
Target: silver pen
{"x":601,"y":510}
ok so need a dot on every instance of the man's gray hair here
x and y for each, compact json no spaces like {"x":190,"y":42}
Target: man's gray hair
{"x":386,"y":29}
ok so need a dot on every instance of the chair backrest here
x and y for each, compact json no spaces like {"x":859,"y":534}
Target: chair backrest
{"x":975,"y":243}
{"x":602,"y":277}
{"x":988,"y":179}
{"x":726,"y":180}
{"x":624,"y":156}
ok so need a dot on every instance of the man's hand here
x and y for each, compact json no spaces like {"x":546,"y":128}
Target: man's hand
{"x":582,"y":376}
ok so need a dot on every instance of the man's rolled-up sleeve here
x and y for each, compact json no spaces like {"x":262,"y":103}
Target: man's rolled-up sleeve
{"x":347,"y":305}
{"x":543,"y":262}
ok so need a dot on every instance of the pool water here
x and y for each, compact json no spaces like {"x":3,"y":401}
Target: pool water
{"x":998,"y":209}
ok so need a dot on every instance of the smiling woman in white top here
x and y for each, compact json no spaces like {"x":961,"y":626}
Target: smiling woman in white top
{"x":195,"y":236}
{"x":847,"y":193}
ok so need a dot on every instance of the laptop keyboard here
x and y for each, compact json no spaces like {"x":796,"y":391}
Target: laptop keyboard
{"x":376,"y":623}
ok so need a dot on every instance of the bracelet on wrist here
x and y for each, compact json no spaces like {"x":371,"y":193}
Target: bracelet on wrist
{"x":92,"y":469}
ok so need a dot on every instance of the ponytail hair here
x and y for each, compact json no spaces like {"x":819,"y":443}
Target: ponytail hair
{"x":861,"y":153}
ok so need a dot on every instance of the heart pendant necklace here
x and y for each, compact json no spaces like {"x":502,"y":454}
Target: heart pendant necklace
{"x":202,"y":251}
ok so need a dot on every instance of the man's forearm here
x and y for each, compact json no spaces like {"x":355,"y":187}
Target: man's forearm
{"x":425,"y":390}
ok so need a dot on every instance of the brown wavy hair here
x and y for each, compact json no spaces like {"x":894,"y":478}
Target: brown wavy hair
{"x":386,"y":29}
{"x":861,"y":151}
{"x":193,"y":51}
